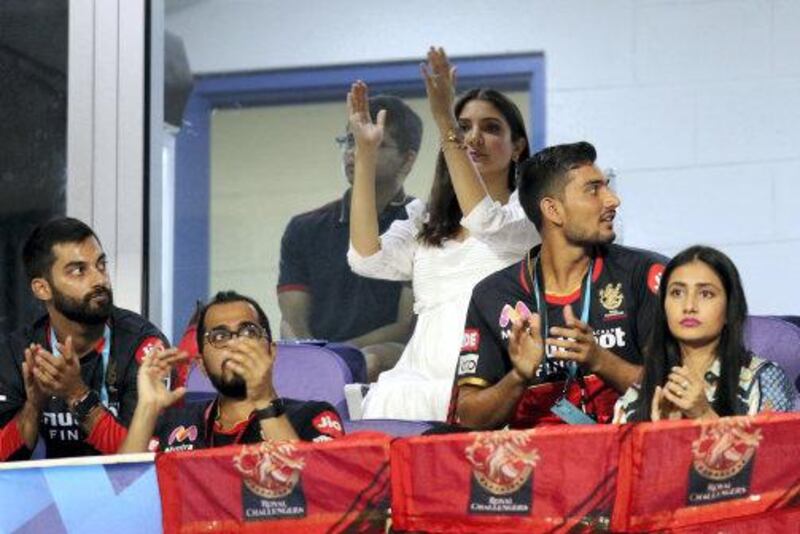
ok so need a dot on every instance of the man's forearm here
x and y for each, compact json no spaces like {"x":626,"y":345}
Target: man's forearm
{"x":295,"y":329}
{"x":618,"y":373}
{"x":28,"y":424}
{"x":398,"y":332}
{"x":141,"y":429}
{"x":491,"y":407}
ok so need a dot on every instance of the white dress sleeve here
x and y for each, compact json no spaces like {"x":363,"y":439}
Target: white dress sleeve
{"x":503,"y":227}
{"x":395,"y":259}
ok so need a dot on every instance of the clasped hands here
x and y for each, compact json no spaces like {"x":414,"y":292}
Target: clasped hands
{"x":572,"y":342}
{"x":682,"y":396}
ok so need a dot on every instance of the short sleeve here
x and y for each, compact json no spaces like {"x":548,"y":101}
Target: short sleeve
{"x":293,"y":268}
{"x":777,"y":392}
{"x":316,"y":421}
{"x":481,"y":361}
{"x":504,"y":227}
{"x":395,"y":259}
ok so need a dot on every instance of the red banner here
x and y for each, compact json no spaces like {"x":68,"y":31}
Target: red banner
{"x":684,"y":473}
{"x":277,"y":487}
{"x":550,"y":479}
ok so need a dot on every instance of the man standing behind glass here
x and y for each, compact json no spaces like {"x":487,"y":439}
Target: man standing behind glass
{"x":319,"y":296}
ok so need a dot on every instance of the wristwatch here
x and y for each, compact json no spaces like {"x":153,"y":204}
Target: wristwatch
{"x":84,"y":407}
{"x":276,"y":408}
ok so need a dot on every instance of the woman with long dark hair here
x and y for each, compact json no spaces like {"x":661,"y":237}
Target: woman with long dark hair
{"x":471,"y":227}
{"x":697,"y":366}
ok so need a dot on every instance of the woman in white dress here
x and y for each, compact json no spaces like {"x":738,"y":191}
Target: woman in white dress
{"x":471,"y":227}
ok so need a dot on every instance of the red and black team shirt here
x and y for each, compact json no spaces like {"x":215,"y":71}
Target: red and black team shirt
{"x":132,"y":337}
{"x":623,"y":300}
{"x":193,"y":426}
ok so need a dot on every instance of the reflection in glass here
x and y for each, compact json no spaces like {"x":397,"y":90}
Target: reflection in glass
{"x":33,"y":124}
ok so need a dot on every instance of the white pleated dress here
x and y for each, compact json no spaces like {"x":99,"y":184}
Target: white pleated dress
{"x":419,"y":386}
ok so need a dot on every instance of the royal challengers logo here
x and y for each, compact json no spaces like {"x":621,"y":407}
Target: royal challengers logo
{"x":723,"y":449}
{"x":271,"y":480}
{"x":722,"y":460}
{"x":502,"y":467}
{"x":611,"y":296}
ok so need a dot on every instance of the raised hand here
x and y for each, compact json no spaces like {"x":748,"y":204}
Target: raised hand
{"x":253,"y":360}
{"x":575,"y":340}
{"x":34,"y":392}
{"x":367,"y":134}
{"x":525,"y":347}
{"x":440,"y":84}
{"x":150,"y":380}
{"x":687,"y":391}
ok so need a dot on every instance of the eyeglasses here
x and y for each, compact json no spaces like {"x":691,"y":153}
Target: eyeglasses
{"x":219,"y":337}
{"x":348,"y":142}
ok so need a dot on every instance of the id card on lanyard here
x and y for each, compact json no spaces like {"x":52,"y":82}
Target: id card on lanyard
{"x":104,"y":356}
{"x":564,"y":409}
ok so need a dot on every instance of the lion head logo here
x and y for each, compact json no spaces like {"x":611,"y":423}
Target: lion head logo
{"x":270,"y":469}
{"x":724,"y":448}
{"x":502,"y":461}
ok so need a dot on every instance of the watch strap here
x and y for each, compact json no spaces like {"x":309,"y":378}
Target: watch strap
{"x":276,"y":408}
{"x":84,"y":407}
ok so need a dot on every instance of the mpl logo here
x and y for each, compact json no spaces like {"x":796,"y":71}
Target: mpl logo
{"x":328,"y":423}
{"x":181,"y":434}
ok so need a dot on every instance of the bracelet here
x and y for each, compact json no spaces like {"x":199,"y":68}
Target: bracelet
{"x":453,"y":139}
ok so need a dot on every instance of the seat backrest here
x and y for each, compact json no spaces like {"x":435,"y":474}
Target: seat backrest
{"x":777,"y":340}
{"x":393,"y":427}
{"x":354,"y":359}
{"x":303,"y":372}
{"x":309,"y":372}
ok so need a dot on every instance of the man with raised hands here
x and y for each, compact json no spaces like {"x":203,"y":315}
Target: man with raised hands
{"x":238,"y":355}
{"x":556,"y":337}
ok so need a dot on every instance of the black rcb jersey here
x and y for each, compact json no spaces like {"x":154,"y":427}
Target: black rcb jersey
{"x":193,"y":426}
{"x":623,"y":298}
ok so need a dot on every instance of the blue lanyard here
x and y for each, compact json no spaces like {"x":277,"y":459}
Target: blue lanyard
{"x":541,"y":305}
{"x":104,"y":356}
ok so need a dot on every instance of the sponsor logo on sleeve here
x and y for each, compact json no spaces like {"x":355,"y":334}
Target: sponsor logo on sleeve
{"x":654,"y":277}
{"x":271,"y":480}
{"x":722,"y":461}
{"x":328,"y":423}
{"x":471,"y":341}
{"x":147,"y":347}
{"x":467,"y":364}
{"x":502,"y":473}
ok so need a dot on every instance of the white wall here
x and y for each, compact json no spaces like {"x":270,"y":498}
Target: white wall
{"x":695,"y":103}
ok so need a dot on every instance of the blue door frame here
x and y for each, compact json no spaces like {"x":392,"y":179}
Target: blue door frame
{"x":524,"y":72}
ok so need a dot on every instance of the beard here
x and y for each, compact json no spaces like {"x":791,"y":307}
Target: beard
{"x":585,"y":238}
{"x":233,"y":388}
{"x":84,"y":311}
